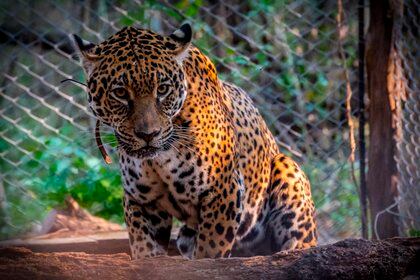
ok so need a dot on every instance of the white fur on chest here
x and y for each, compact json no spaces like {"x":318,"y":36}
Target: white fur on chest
{"x":170,"y":180}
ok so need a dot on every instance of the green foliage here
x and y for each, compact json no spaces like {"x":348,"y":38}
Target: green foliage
{"x":414,"y":233}
{"x":60,"y":169}
{"x":80,"y":175}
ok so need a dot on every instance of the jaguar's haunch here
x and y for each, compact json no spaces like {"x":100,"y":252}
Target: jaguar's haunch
{"x":195,"y":148}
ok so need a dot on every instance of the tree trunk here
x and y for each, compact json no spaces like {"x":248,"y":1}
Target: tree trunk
{"x":382,"y":171}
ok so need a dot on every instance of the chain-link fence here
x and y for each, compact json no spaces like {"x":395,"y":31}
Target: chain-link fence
{"x":408,"y":136}
{"x":284,"y":53}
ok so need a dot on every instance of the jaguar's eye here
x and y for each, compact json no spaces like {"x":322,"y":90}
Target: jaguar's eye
{"x":162,"y":90}
{"x":120,"y":94}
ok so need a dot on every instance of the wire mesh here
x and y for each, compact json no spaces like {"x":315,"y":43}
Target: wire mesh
{"x":408,"y":142}
{"x":284,"y":53}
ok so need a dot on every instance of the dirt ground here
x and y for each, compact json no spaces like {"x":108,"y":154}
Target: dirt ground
{"x":347,"y":259}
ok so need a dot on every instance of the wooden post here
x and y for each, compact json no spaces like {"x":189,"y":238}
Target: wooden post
{"x":362,"y":119}
{"x":382,"y":170}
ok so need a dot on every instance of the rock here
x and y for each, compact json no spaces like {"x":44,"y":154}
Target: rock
{"x":74,"y":221}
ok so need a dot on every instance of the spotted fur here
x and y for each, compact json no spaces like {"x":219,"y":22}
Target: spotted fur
{"x":195,"y":148}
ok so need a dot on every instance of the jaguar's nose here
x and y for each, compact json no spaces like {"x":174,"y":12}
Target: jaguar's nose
{"x":147,"y":136}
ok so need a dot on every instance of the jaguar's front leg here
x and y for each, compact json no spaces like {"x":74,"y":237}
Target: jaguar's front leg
{"x":220,"y":214}
{"x":186,"y":241}
{"x":148,"y":227}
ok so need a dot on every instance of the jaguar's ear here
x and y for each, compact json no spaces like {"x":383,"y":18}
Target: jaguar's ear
{"x":182,"y":37}
{"x":86,"y":52}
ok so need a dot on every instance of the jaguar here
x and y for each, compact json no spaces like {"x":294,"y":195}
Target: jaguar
{"x":194,"y":148}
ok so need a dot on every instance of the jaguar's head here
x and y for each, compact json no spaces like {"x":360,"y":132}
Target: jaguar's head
{"x":136,"y":85}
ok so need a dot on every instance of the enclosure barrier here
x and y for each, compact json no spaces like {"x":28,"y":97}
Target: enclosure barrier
{"x":286,"y":54}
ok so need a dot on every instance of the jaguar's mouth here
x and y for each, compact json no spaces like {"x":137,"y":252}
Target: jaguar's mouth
{"x":147,"y":151}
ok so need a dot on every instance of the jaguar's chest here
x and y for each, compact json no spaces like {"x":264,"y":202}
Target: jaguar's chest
{"x":173,"y":184}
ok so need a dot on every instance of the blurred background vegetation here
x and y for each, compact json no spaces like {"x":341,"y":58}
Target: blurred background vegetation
{"x":284,"y":53}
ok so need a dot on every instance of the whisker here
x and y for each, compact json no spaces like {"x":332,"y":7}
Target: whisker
{"x":184,"y":137}
{"x":186,"y":146}
{"x":173,"y":146}
{"x":74,"y":81}
{"x":186,"y":131}
{"x":191,"y":129}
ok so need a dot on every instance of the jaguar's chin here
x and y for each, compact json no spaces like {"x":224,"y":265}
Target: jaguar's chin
{"x":147,"y":152}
